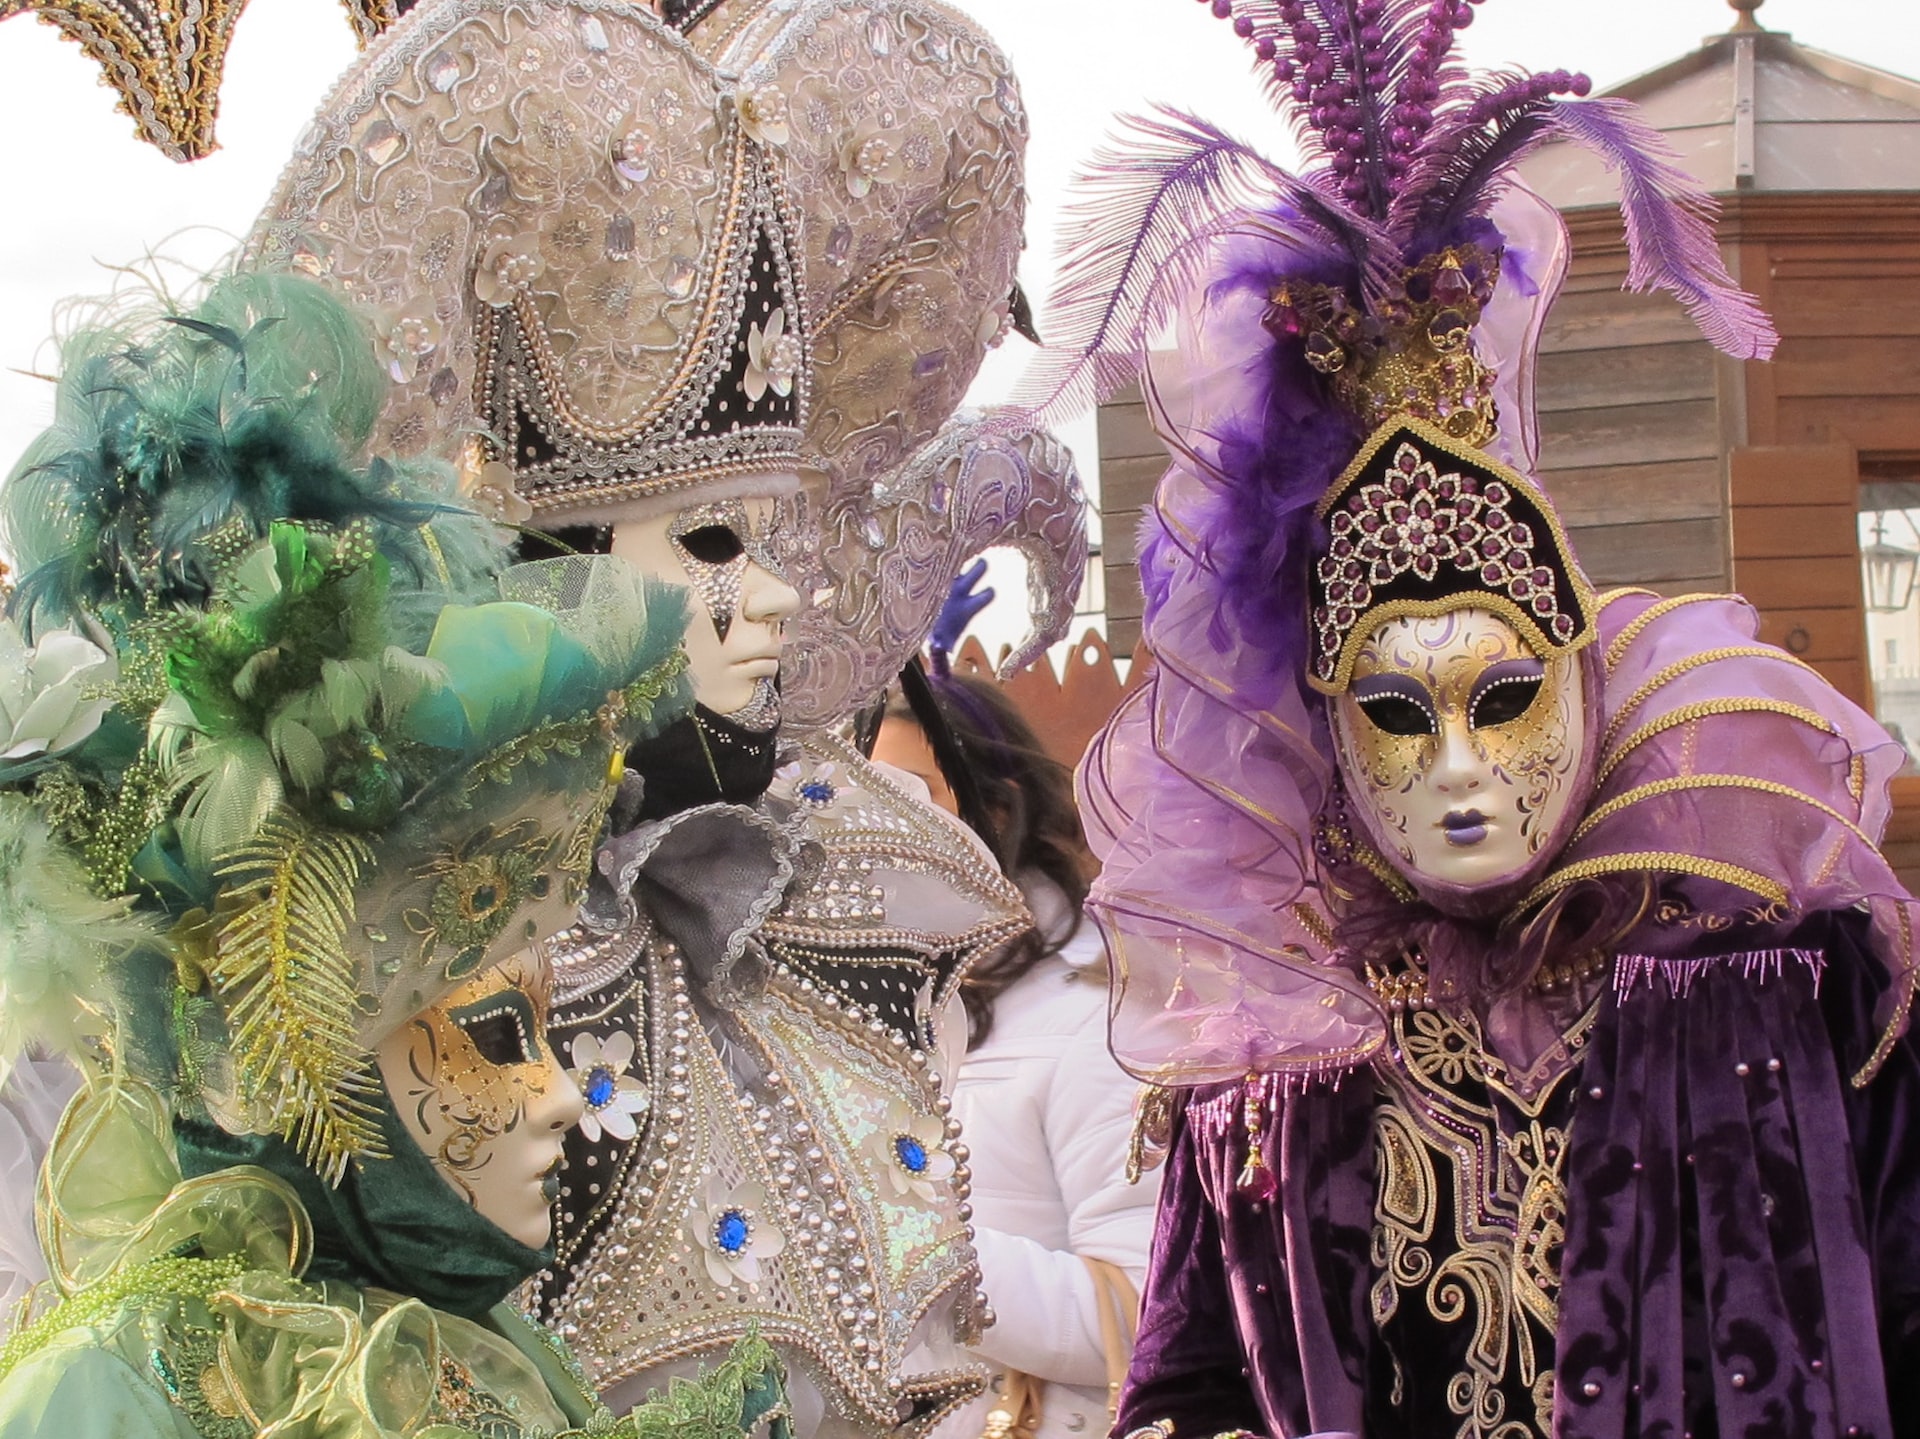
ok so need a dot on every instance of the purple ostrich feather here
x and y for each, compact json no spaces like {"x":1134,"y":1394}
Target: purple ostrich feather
{"x":1403,"y":149}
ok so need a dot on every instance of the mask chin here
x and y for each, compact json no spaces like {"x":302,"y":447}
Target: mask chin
{"x":1497,"y":893}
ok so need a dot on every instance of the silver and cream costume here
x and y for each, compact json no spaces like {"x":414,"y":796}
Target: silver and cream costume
{"x":794,"y":1168}
{"x":659,"y":266}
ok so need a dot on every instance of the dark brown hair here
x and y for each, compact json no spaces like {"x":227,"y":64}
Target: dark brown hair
{"x":1028,"y":821}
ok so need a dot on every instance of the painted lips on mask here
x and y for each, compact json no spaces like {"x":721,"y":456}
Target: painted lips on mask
{"x":1464,"y":827}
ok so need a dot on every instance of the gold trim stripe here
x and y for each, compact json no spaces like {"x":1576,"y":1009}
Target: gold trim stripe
{"x":1908,"y":979}
{"x":1707,"y":709}
{"x":1652,"y":614}
{"x":1662,"y":860}
{"x":1692,"y":662}
{"x":1712,"y":781}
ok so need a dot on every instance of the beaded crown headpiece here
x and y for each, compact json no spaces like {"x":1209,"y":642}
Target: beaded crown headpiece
{"x":579,"y":236}
{"x":1392,"y":289}
{"x":1421,"y":523}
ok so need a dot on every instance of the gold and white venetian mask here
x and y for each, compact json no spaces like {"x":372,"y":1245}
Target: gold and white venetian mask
{"x":1462,"y":746}
{"x":480,"y":1090}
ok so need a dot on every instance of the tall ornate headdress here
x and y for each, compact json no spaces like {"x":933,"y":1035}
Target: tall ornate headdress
{"x":904,"y":140}
{"x":883,"y":140}
{"x":1350,"y":413}
{"x":582,"y":245}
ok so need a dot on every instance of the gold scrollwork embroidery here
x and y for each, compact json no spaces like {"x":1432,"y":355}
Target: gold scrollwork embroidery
{"x":1452,"y":1115}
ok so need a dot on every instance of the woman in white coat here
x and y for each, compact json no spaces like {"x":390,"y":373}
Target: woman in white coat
{"x":1045,"y":1111}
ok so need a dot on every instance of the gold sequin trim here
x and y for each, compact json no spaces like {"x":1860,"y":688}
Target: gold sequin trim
{"x":1617,"y":651}
{"x":1663,"y":861}
{"x":1711,"y":781}
{"x":1896,"y":1024}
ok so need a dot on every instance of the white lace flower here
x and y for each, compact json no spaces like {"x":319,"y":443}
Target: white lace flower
{"x":733,"y":1231}
{"x":764,"y":114}
{"x":811,"y":785}
{"x":871,"y":156}
{"x":506,"y":267}
{"x":409,"y":341}
{"x":52,"y":694}
{"x":912,"y":1151}
{"x":773,"y":357}
{"x":614,"y":1097}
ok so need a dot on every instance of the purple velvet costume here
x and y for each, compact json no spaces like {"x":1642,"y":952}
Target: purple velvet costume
{"x":1742,"y":1250}
{"x":1680,"y":1203}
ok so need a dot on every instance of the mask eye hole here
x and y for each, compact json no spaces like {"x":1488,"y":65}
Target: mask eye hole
{"x":1505,"y":703}
{"x":500,"y":1029}
{"x":1505,"y":693}
{"x":1397,"y":714}
{"x":712,"y":544}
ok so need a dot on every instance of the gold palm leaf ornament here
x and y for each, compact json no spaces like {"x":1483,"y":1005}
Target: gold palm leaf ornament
{"x":165,"y":58}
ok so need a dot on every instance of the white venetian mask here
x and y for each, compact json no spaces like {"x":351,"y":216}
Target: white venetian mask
{"x":479,"y":1088}
{"x":724,"y":552}
{"x":1461,"y":747}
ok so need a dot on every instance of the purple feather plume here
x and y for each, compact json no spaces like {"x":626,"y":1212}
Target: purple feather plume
{"x":1137,"y":239}
{"x":1669,"y":219}
{"x":1669,"y":215}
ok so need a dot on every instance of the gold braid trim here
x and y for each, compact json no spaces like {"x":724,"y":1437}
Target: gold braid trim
{"x":1313,"y":922}
{"x":1636,"y":626}
{"x":1711,"y":781}
{"x":1692,"y":662}
{"x":1663,"y":861}
{"x":1706,"y":709}
{"x":1903,"y":1005}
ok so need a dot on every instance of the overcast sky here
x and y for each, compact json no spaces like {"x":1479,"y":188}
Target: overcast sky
{"x":81,"y":191}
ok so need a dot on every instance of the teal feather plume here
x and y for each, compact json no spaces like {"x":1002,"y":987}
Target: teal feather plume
{"x":179,"y":438}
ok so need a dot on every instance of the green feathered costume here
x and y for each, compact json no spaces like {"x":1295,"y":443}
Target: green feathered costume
{"x":291,"y":752}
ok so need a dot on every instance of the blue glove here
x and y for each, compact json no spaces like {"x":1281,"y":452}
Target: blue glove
{"x":962,"y":604}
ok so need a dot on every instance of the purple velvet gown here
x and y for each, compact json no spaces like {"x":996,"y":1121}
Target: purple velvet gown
{"x":1688,"y":1221}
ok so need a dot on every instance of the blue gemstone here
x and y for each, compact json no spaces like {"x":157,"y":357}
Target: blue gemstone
{"x":911,"y":1153}
{"x":600,"y":1086}
{"x":731,"y":1232}
{"x":817,"y":791}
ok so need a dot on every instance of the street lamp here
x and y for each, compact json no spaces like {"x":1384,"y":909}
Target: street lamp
{"x":1889,"y":571}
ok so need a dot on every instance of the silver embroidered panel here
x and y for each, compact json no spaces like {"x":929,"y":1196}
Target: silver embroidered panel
{"x":793,"y":1167}
{"x":552,"y":210}
{"x":879,"y":560}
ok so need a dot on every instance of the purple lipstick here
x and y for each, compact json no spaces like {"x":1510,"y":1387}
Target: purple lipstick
{"x":1464,"y":827}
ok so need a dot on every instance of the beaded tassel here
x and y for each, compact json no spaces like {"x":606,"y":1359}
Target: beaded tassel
{"x":1256,"y":1180}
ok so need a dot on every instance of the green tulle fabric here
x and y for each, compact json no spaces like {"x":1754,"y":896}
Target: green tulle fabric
{"x":190,"y":1306}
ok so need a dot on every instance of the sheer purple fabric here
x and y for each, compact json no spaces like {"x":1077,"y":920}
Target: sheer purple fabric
{"x":1727,"y":768}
